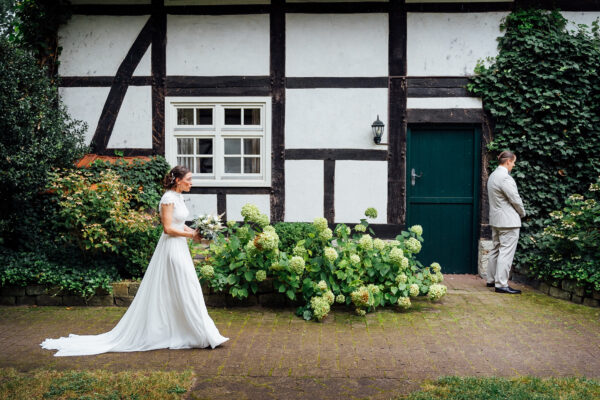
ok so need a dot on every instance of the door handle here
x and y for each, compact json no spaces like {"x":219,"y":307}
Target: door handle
{"x":414,"y":176}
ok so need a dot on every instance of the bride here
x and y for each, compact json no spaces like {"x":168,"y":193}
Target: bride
{"x":168,"y":310}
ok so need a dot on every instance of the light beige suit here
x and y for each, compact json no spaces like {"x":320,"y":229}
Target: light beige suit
{"x":506,"y":211}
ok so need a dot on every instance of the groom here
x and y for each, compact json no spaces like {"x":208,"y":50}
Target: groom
{"x":506,"y":211}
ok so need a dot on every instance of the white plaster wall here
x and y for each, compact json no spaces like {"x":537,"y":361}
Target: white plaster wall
{"x":443,"y":102}
{"x":199,"y":204}
{"x":334,"y":118}
{"x":95,"y":45}
{"x":449,"y":44}
{"x":580,"y":17}
{"x":358,"y":186}
{"x":144,"y":68}
{"x":303,"y":190}
{"x":351,"y":45}
{"x":85,"y":104}
{"x":133,"y":127}
{"x":235,"y":202}
{"x":218,"y":45}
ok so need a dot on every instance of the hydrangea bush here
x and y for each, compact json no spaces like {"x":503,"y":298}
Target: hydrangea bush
{"x":568,"y":248}
{"x":345,"y":266}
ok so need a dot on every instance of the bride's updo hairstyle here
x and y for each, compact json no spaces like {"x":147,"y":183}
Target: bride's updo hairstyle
{"x":171,"y":178}
{"x":506,"y":156}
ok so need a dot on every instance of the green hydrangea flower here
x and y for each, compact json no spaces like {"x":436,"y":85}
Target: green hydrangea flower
{"x":413,"y":290}
{"x":207,"y":271}
{"x":268,"y":240}
{"x":340,"y":229}
{"x":416,"y":229}
{"x":261,"y":275}
{"x":330,"y":254}
{"x":299,"y":251}
{"x":371,"y":213}
{"x":397,"y":255}
{"x":413,"y":245}
{"x":276,"y":266}
{"x":404,"y":303}
{"x":297,"y":264}
{"x":250,"y":247}
{"x":373,"y":288}
{"x":251,"y":213}
{"x":360,"y":228}
{"x":322,"y":285}
{"x":436,"y":267}
{"x":404,"y":263}
{"x":392,"y":243}
{"x":231,"y":224}
{"x":355,"y":259}
{"x":320,"y":223}
{"x":401,"y":278}
{"x":328,"y":295}
{"x":436,"y":292}
{"x":320,"y":307}
{"x":379,"y":244}
{"x":326,"y":234}
{"x":340,"y":299}
{"x":366,"y":242}
{"x":362,"y":297}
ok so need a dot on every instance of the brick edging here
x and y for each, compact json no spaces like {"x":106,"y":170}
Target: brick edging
{"x":565,"y":290}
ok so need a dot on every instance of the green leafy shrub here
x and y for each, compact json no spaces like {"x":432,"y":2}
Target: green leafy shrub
{"x":23,"y":268}
{"x":543,"y":93}
{"x":288,"y":233}
{"x":98,"y":214}
{"x":568,"y":248}
{"x":323,"y":266}
{"x":36,"y":134}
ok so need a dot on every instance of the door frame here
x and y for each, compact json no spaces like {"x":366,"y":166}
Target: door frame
{"x":474,"y":268}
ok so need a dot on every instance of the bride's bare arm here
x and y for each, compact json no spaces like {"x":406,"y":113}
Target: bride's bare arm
{"x":167,"y":218}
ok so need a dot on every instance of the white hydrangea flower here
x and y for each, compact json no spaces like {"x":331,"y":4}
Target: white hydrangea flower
{"x":320,"y":307}
{"x":401,"y":278}
{"x":355,"y":259}
{"x":330,"y":254}
{"x":378,"y":244}
{"x":268,"y":240}
{"x":328,"y":295}
{"x":366,"y":242}
{"x":261,"y":275}
{"x":340,"y":299}
{"x":360,"y":228}
{"x":413,"y":290}
{"x":392,"y":243}
{"x":371,"y":213}
{"x":436,"y":267}
{"x":299,"y":251}
{"x":436,"y":292}
{"x":322,"y":285}
{"x":373,"y":288}
{"x":207,"y":271}
{"x":297,"y":264}
{"x":594,"y":187}
{"x":360,"y":312}
{"x":326,"y":234}
{"x":404,"y":303}
{"x":416,"y":229}
{"x":575,"y":197}
{"x":250,"y":247}
{"x":320,"y":223}
{"x":413,"y":245}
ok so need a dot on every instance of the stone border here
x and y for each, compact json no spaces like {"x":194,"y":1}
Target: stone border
{"x":564,"y":290}
{"x":123,"y":293}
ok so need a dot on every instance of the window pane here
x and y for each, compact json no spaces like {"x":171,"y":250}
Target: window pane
{"x":251,"y":116}
{"x":251,"y":165}
{"x":187,"y":162}
{"x":251,"y":146}
{"x":185,"y":146}
{"x":204,"y":146}
{"x":204,"y":116}
{"x":204,"y":165}
{"x":233,"y":165}
{"x":233,"y":146}
{"x":185,"y":116}
{"x":233,"y":116}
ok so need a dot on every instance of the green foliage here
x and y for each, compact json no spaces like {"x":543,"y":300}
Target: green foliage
{"x":319,"y":266}
{"x":522,"y":388}
{"x":543,"y":92}
{"x":568,"y":246}
{"x":289,"y":232}
{"x":23,"y":268}
{"x":36,"y":134}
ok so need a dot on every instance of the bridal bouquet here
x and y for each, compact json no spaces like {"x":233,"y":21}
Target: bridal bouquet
{"x":208,"y":225}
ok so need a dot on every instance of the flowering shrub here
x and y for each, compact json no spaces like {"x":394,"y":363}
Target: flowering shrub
{"x":324,"y":266}
{"x":568,"y":248}
{"x":95,"y":214}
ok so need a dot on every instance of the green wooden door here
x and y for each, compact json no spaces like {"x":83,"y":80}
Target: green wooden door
{"x":443,"y":196}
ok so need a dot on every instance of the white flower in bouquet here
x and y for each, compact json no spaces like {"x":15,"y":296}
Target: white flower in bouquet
{"x":208,"y":225}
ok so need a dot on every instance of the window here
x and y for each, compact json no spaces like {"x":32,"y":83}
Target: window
{"x":223,"y":141}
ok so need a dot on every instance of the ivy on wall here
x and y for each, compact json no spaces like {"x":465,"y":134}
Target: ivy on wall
{"x":543,"y":93}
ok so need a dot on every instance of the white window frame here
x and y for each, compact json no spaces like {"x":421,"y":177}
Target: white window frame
{"x":218,"y":131}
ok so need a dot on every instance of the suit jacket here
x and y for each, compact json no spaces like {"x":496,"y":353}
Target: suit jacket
{"x":506,"y":206}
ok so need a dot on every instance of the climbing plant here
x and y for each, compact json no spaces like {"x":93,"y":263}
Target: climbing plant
{"x":543,"y":94}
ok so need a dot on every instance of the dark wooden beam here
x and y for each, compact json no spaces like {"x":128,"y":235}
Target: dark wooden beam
{"x":231,"y":91}
{"x":337,"y":7}
{"x":229,"y":9}
{"x":439,"y":92}
{"x":118,"y":89}
{"x":326,"y":82}
{"x":125,"y":152}
{"x":230,"y":190}
{"x":436,"y":82}
{"x":459,"y":7}
{"x":329,"y":190}
{"x":452,"y":115}
{"x":159,"y":72}
{"x":277,"y":73}
{"x":177,"y":81}
{"x":112,"y":9}
{"x":221,"y":203}
{"x":101,"y":81}
{"x":336,"y":154}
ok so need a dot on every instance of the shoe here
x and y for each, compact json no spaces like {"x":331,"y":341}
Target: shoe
{"x":490,"y":284}
{"x":508,"y":290}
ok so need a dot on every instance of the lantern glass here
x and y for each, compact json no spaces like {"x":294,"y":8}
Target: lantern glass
{"x":378,"y":128}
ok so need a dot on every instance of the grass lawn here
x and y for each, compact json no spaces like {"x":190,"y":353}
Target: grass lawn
{"x":93,"y":384}
{"x":525,"y":388}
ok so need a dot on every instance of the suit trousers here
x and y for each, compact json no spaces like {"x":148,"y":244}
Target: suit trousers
{"x":501,"y":257}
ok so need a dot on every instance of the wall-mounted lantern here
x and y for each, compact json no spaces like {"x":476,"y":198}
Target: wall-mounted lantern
{"x":378,"y":128}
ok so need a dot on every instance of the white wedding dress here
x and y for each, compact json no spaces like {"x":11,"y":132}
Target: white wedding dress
{"x":168,"y":310}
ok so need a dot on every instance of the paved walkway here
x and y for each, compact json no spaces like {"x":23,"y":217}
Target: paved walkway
{"x":274,"y":354}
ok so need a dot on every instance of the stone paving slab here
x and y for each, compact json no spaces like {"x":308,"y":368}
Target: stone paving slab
{"x":274,"y":354}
